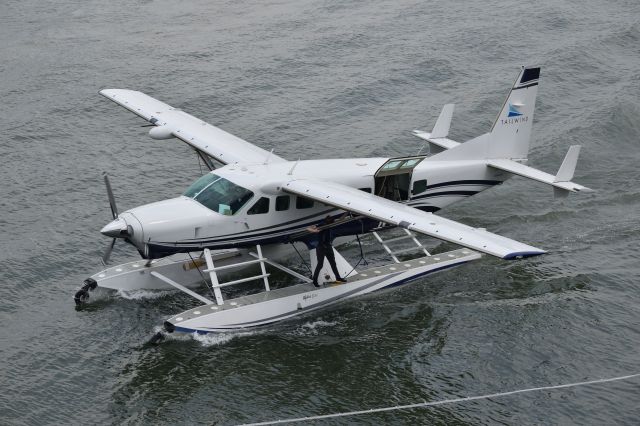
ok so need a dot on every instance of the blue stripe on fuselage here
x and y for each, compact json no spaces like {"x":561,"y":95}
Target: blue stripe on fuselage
{"x":282,"y":235}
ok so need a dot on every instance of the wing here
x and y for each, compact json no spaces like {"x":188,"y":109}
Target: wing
{"x":202,"y":136}
{"x":388,"y":211}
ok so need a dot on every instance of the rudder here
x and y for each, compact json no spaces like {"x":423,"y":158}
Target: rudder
{"x":511,"y":132}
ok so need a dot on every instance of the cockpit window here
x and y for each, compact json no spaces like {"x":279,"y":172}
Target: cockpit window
{"x":200,"y":184}
{"x":219,"y":194}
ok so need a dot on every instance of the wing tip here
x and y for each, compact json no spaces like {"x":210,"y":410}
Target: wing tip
{"x":108,"y":93}
{"x":523,"y":254}
{"x":584,"y":189}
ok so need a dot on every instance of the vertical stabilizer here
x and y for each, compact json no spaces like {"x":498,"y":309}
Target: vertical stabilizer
{"x":511,"y":131}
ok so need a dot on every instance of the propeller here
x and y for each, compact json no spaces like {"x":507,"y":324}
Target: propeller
{"x":112,"y":200}
{"x":107,"y":252}
{"x":118,"y":227}
{"x":114,"y":213}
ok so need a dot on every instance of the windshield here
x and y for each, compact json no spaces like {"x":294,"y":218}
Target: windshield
{"x":218,"y":194}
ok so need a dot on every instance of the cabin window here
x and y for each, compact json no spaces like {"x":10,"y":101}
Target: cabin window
{"x":365,"y":190}
{"x":419,"y":186}
{"x":303,"y":203}
{"x":410,"y":164}
{"x":260,"y":207}
{"x":393,"y":164}
{"x":282,"y":202}
{"x":219,"y":194}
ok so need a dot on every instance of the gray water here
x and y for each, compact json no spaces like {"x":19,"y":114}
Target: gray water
{"x":320,"y":79}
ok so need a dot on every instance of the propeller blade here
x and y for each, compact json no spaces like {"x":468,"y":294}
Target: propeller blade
{"x":107,"y":253}
{"x":112,"y":200}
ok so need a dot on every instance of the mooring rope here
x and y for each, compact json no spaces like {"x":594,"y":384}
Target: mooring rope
{"x":443,"y":402}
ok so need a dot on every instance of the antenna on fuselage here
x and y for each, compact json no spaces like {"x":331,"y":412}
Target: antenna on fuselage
{"x":266,"y":161}
{"x":292,"y":168}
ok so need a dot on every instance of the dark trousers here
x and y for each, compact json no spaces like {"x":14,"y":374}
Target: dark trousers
{"x":321,"y":253}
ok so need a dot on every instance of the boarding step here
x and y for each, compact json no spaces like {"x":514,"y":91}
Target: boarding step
{"x":209,"y":258}
{"x":393,"y":253}
{"x":401,"y":238}
{"x":216,"y":285}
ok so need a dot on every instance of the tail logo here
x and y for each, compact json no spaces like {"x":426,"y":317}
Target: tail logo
{"x":514,"y":110}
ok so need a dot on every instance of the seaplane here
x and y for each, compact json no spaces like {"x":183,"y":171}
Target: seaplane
{"x":246,"y":215}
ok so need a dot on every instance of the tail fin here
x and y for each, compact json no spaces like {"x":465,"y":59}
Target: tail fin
{"x":511,"y":132}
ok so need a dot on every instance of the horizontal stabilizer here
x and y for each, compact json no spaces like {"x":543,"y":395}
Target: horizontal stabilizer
{"x":391,"y":212}
{"x":535,"y":174}
{"x":438,"y":136}
{"x":440,"y":142}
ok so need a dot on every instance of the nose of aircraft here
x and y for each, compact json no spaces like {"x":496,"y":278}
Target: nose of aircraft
{"x":116,"y":229}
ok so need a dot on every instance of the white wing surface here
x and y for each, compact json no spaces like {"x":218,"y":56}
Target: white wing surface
{"x":215,"y":142}
{"x":388,"y":211}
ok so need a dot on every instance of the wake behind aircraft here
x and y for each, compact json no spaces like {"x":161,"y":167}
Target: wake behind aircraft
{"x":252,"y":197}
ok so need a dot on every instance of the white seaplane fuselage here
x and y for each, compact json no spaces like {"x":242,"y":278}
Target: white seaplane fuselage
{"x":185,"y":224}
